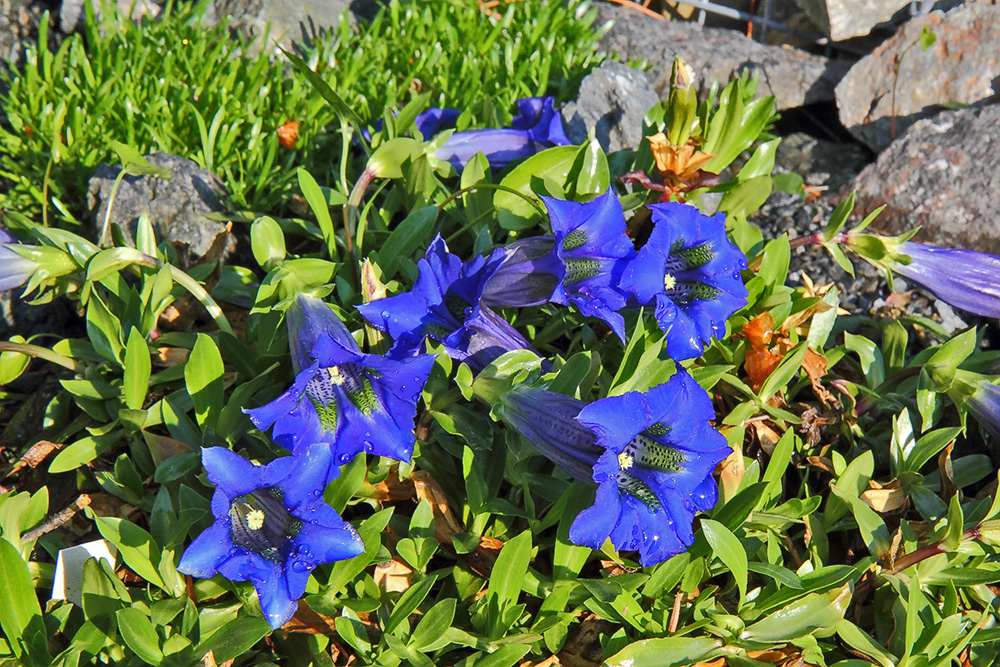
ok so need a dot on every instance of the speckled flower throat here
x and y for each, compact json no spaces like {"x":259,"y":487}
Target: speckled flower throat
{"x":642,"y":457}
{"x":355,"y":383}
{"x":260,"y":523}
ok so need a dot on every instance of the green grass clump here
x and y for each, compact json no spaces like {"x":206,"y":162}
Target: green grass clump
{"x":176,"y":85}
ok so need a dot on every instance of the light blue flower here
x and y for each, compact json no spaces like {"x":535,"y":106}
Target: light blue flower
{"x":537,"y":126}
{"x":271,"y":527}
{"x":15,"y":270}
{"x":965,"y":279}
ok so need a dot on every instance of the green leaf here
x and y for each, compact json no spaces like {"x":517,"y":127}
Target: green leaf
{"x":317,"y":202}
{"x":873,"y":529}
{"x":203,"y":377}
{"x":342,"y":108}
{"x":20,"y":615}
{"x":408,"y":602}
{"x":513,"y":212}
{"x":859,"y":640}
{"x":137,"y":370}
{"x":84,"y":451}
{"x":802,"y":617}
{"x":412,"y":232}
{"x":234,"y":638}
{"x":135,"y":164}
{"x":664,"y":652}
{"x":139,"y":635}
{"x":137,"y":547}
{"x":505,"y":583}
{"x":780,"y":574}
{"x":428,"y":634}
{"x":505,"y":656}
{"x":267,"y":241}
{"x":927,"y":38}
{"x":839,"y":218}
{"x":786,"y":369}
{"x":727,"y":547}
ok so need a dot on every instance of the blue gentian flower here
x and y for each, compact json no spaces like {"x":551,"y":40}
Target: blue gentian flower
{"x":580,"y":264}
{"x":444,"y":305}
{"x":15,"y":270}
{"x":271,"y":527}
{"x":965,"y":279}
{"x":690,"y":271}
{"x":651,"y":455}
{"x":984,"y":404}
{"x":348,"y":400}
{"x":435,"y":119}
{"x":537,"y":126}
{"x":656,"y":469}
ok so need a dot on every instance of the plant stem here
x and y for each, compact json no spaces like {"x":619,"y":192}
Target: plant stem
{"x":800,"y":242}
{"x":40,"y":352}
{"x":353,"y":209}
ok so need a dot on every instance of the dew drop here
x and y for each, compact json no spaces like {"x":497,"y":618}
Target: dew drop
{"x":385,"y":314}
{"x":343,"y":458}
{"x":302,"y":549}
{"x":300,"y":566}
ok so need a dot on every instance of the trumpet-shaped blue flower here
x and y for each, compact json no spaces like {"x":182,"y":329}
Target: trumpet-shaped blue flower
{"x":965,"y":279}
{"x":271,"y":526}
{"x":651,"y":455}
{"x":444,"y":305}
{"x":15,"y":270}
{"x":580,"y":264}
{"x":537,"y":126}
{"x":690,"y":271}
{"x":348,"y":400}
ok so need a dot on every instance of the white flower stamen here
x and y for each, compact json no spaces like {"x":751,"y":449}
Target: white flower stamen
{"x":255,"y":519}
{"x":669,"y":282}
{"x":625,"y":461}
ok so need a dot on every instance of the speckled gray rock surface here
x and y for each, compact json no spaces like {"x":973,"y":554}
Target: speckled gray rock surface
{"x":290,"y":20}
{"x":613,"y":100}
{"x":843,"y":19}
{"x":793,"y":76}
{"x":963,"y":66}
{"x":942,"y":175}
{"x":177,"y":208}
{"x":18,"y":29}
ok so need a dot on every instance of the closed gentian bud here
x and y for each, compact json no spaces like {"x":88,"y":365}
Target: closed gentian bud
{"x":689,"y":271}
{"x":15,"y":269}
{"x":271,"y":527}
{"x":536,"y":127}
{"x":965,"y":279}
{"x":346,"y":399}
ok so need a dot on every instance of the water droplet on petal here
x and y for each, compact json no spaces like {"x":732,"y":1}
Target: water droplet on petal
{"x":343,"y":459}
{"x":300,"y":566}
{"x":384,"y":314}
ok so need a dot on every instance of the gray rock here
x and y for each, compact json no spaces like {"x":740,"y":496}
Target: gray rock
{"x":290,"y":20}
{"x":72,"y":12}
{"x":962,"y":66}
{"x":177,"y":208}
{"x":18,"y":29}
{"x":613,"y":100}
{"x":794,"y":77}
{"x":843,"y":19}
{"x":943,"y":175}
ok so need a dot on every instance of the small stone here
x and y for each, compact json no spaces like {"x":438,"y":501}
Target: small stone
{"x":177,"y":208}
{"x":613,"y":100}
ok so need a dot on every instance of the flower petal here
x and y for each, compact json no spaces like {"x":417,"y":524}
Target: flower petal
{"x":203,"y":556}
{"x":230,"y":472}
{"x":594,"y":524}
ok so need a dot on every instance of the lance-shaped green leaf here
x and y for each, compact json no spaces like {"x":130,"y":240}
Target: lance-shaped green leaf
{"x":816,"y":611}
